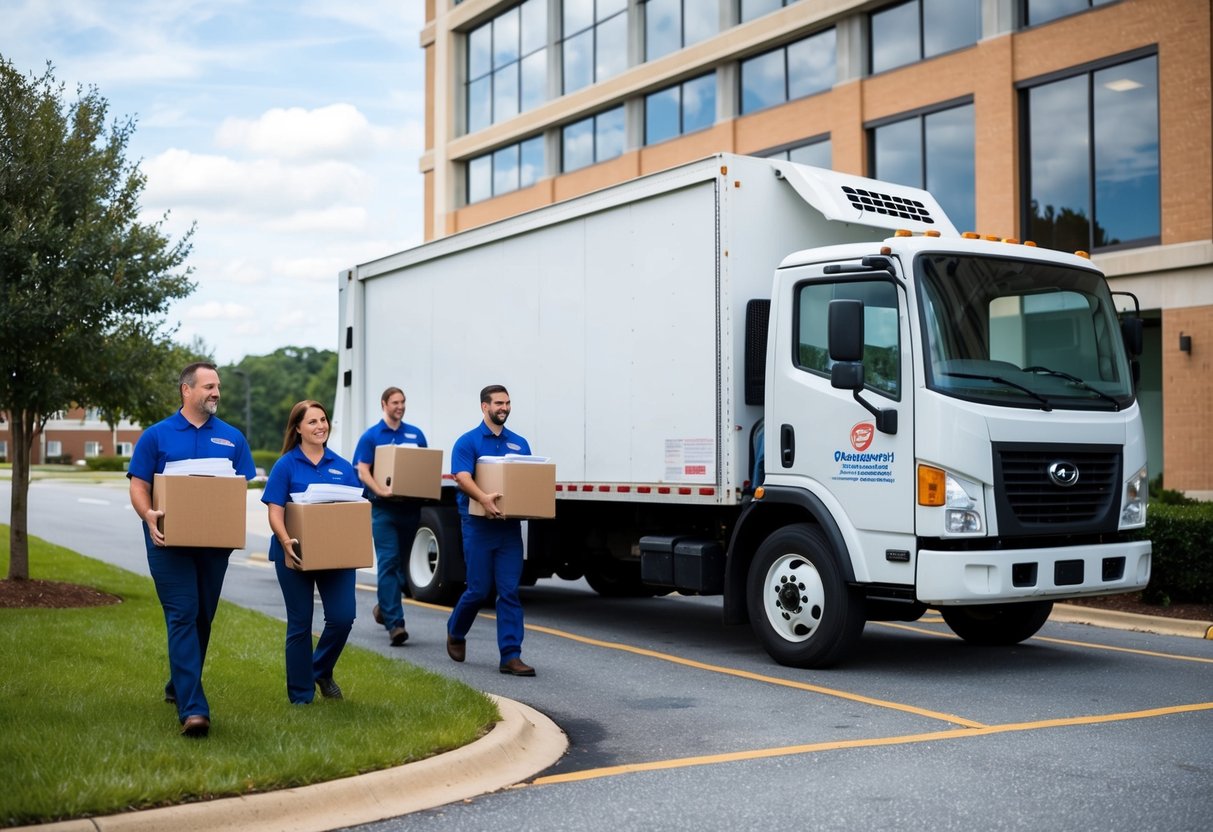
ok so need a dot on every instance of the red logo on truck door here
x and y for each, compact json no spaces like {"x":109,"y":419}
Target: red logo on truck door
{"x":861,"y":435}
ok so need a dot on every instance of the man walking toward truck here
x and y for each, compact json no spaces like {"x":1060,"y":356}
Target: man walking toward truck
{"x":492,"y":545}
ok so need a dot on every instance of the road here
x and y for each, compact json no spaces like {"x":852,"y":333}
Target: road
{"x":678,"y":722}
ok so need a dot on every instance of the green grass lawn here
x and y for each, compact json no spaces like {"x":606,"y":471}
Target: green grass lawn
{"x":84,"y":730}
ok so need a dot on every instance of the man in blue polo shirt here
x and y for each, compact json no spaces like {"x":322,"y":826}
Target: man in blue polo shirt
{"x":394,"y":520}
{"x":492,"y":545}
{"x":188,"y":579}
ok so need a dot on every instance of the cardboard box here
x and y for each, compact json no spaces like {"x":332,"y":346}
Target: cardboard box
{"x":201,"y":511}
{"x":331,"y":535}
{"x":409,"y":471}
{"x":528,"y":489}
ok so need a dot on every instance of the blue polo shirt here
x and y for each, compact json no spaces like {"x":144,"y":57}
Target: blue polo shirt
{"x":294,"y":472}
{"x":381,"y":434}
{"x":478,"y":442}
{"x":174,"y":439}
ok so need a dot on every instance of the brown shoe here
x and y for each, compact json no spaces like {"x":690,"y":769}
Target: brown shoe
{"x":195,"y":726}
{"x":515,"y":667}
{"x":376,"y":614}
{"x":398,"y":636}
{"x":457,"y":649}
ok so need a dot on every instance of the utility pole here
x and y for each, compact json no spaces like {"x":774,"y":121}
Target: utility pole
{"x":248,"y":405}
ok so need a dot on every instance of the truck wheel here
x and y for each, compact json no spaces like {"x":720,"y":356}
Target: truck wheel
{"x":437,"y":539}
{"x":997,"y":625}
{"x":800,"y":606}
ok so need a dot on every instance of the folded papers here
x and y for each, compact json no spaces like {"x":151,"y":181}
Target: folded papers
{"x":321,"y":492}
{"x":205,"y":467}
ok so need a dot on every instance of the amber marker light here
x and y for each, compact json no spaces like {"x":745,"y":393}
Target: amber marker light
{"x":1084,"y":255}
{"x":903,"y":232}
{"x":971,"y":235}
{"x":759,"y":493}
{"x":931,"y":232}
{"x":932,"y":490}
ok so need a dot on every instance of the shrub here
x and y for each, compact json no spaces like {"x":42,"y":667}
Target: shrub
{"x":62,"y":459}
{"x":107,"y":463}
{"x":265,"y":459}
{"x":1182,"y":538}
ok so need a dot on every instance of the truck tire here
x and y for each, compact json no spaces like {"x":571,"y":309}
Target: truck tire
{"x":997,"y":625}
{"x":438,"y":539}
{"x":800,"y":606}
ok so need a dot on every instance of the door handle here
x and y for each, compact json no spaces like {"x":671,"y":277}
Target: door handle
{"x":787,"y":445}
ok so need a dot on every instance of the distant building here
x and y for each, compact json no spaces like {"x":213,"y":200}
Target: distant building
{"x":1077,"y":124}
{"x":74,"y":435}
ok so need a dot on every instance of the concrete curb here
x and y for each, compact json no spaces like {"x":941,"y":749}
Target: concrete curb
{"x":522,"y":744}
{"x":1093,"y":616}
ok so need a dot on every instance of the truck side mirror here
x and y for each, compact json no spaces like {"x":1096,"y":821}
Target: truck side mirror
{"x":846,"y":330}
{"x":1131,"y":330}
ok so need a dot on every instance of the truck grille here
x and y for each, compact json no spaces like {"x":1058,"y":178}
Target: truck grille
{"x":1030,"y":501}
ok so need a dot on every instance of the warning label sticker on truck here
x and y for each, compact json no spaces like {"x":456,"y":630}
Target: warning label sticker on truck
{"x":858,"y":464}
{"x":690,"y":460}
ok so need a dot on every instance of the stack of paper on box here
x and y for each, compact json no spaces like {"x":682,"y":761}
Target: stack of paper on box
{"x":327,"y":492}
{"x":203,"y":467}
{"x":527,"y":485}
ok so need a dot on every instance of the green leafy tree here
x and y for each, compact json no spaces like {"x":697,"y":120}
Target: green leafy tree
{"x":84,"y":285}
{"x":277,"y":381}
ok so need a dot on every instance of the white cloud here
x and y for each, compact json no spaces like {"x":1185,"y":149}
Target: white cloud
{"x":218,"y":311}
{"x":338,"y":131}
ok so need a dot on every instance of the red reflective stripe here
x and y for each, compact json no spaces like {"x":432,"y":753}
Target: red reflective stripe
{"x":707,"y":492}
{"x":624,"y":489}
{"x":663,"y":489}
{"x":643,"y":489}
{"x":587,"y":487}
{"x":684,"y":490}
{"x":559,"y":487}
{"x":604,"y":488}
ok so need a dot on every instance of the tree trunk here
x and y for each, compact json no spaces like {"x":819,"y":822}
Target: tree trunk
{"x":22,"y":427}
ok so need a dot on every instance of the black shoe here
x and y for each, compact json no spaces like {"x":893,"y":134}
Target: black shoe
{"x":515,"y":667}
{"x":376,"y":614}
{"x":195,"y":726}
{"x":456,"y":648}
{"x":398,"y":636}
{"x":170,"y":698}
{"x":329,"y":688}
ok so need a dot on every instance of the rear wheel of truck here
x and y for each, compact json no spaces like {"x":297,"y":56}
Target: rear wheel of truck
{"x":800,"y":606}
{"x":437,"y":539}
{"x":997,"y":625}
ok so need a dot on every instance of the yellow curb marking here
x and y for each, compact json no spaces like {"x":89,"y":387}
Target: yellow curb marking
{"x":908,"y":739}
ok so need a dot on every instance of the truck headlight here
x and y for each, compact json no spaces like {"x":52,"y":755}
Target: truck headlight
{"x":961,"y":515}
{"x":1137,"y":497}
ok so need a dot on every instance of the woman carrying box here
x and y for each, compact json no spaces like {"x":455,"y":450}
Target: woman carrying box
{"x":305,"y":460}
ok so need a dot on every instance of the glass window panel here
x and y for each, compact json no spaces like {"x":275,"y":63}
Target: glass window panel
{"x":480,"y":178}
{"x":1126,"y":152}
{"x":661,"y":116}
{"x":751,"y":9}
{"x":577,"y":140}
{"x":578,"y":61}
{"x":612,"y":48}
{"x":480,"y":105}
{"x":577,"y":15}
{"x":1059,"y":151}
{"x":1042,"y":11}
{"x":949,"y":24}
{"x":762,"y":81}
{"x":951,"y":175}
{"x":505,"y":93}
{"x":818,"y":154}
{"x":534,"y":80}
{"x":701,"y":20}
{"x":606,"y":8}
{"x":699,"y":103}
{"x":534,"y":25}
{"x":480,"y":46}
{"x":609,"y":138}
{"x":531,"y":167}
{"x":505,"y":170}
{"x":898,"y":152}
{"x":505,"y":38}
{"x":662,"y":28}
{"x":811,"y":65}
{"x":894,"y":36}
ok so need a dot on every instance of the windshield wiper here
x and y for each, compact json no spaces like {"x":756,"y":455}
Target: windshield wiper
{"x":1044,"y":403}
{"x":1075,"y":380}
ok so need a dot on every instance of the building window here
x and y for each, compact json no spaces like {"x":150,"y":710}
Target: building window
{"x":918,"y":29}
{"x":92,"y":449}
{"x":793,"y":71}
{"x":934,"y":151}
{"x":679,"y":109}
{"x":126,"y":448}
{"x":4,"y":449}
{"x":1092,"y":159}
{"x":54,"y":447}
{"x":751,"y":9}
{"x":505,"y":169}
{"x":670,"y":25}
{"x":594,"y":44}
{"x":817,"y":153}
{"x":507,"y":65}
{"x":593,"y":139}
{"x":1036,"y":12}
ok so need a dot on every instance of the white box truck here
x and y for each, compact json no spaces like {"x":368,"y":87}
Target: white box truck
{"x":799,"y":389}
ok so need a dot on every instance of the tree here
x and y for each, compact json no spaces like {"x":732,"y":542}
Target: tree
{"x":84,"y":285}
{"x":278,"y":380}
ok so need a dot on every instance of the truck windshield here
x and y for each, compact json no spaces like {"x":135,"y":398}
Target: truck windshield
{"x":1024,"y":334}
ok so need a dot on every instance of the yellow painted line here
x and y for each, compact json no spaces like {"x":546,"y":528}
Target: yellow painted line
{"x":875,"y":742}
{"x":1133,"y":650}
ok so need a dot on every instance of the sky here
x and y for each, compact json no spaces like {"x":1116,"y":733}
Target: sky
{"x":288,"y":132}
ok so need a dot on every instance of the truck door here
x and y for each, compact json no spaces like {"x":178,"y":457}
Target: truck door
{"x":822,"y":439}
